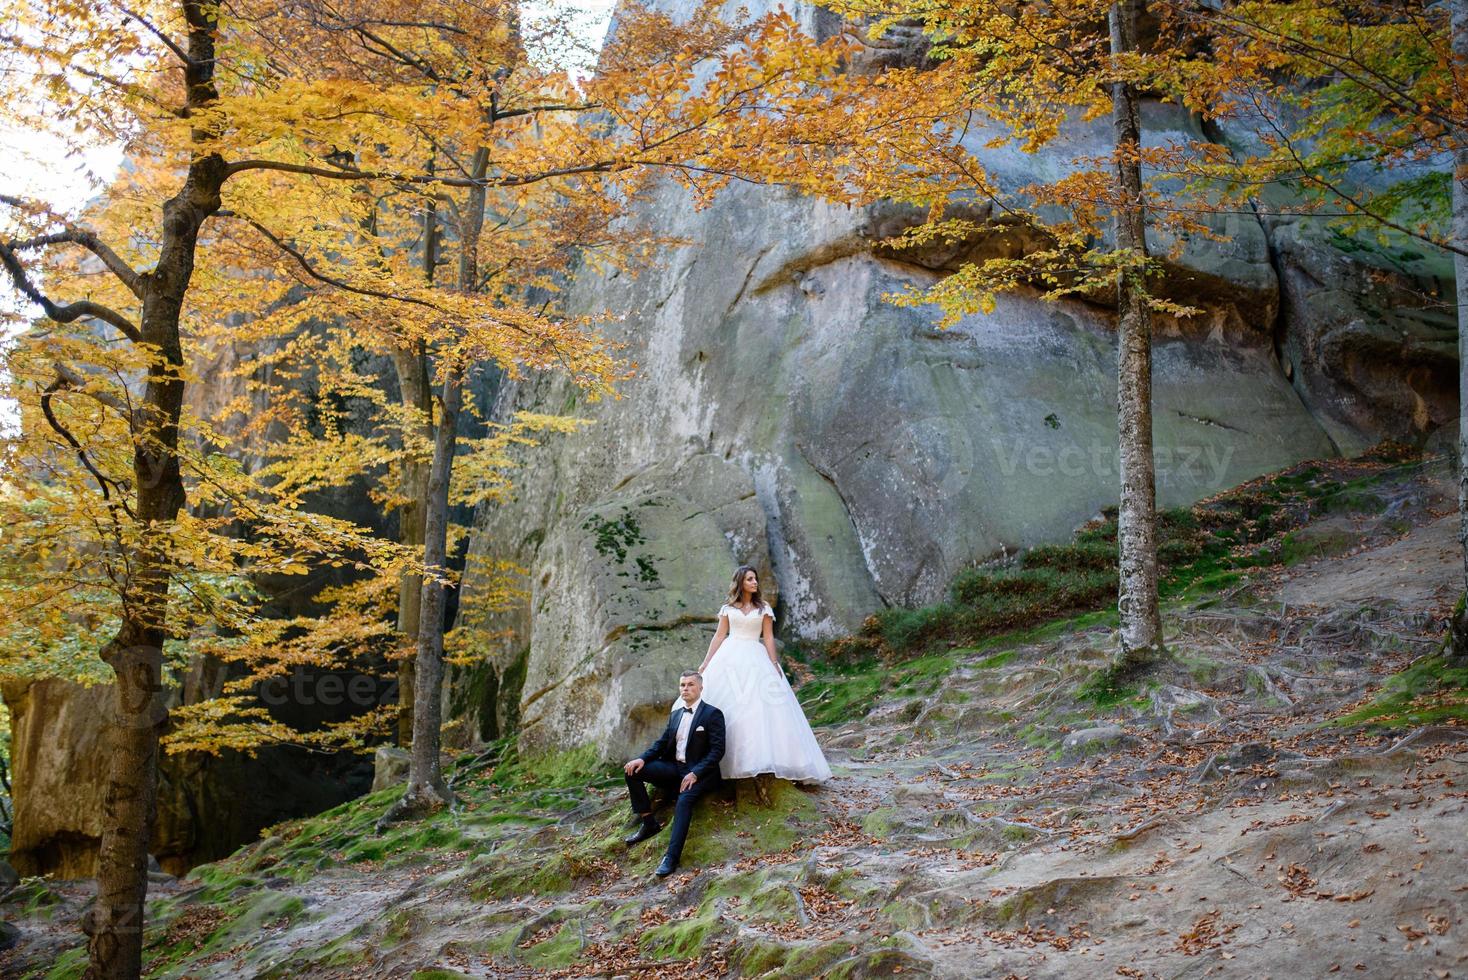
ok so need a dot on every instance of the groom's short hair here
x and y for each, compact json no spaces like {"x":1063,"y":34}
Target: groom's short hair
{"x":691,"y":673}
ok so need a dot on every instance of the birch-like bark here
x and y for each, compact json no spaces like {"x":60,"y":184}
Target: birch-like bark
{"x":1141,"y":622}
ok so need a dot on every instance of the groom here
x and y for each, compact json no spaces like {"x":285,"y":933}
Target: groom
{"x":686,"y":757}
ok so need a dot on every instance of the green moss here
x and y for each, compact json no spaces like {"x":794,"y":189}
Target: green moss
{"x":1431,"y":691}
{"x":775,"y":902}
{"x":904,"y":913}
{"x":812,"y":959}
{"x":438,"y":973}
{"x":879,"y":822}
{"x":70,"y":965}
{"x":723,"y":834}
{"x":681,"y":939}
{"x":560,"y":949}
{"x":759,"y":957}
{"x":1106,"y":689}
{"x":834,"y":699}
{"x":575,"y":768}
{"x":997,"y":660}
{"x":535,"y":875}
{"x":503,"y":943}
{"x":613,"y":536}
{"x":877,"y":963}
{"x":1017,"y":834}
{"x":740,"y":884}
{"x":1299,"y":546}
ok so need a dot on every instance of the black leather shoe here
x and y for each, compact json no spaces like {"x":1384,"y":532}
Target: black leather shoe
{"x":649,"y":828}
{"x":666,"y":868}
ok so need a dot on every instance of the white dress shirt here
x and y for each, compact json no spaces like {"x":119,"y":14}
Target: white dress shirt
{"x":684,"y":727}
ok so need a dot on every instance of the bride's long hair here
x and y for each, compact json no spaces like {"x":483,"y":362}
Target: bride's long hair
{"x":736,"y":588}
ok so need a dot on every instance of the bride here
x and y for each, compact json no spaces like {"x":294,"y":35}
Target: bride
{"x":767,"y":730}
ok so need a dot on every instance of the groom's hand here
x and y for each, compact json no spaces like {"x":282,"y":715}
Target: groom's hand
{"x":633,"y":768}
{"x":687,"y":783}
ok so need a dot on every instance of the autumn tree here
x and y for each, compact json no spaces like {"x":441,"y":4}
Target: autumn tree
{"x":979,"y":76}
{"x":104,"y":465}
{"x":536,"y":171}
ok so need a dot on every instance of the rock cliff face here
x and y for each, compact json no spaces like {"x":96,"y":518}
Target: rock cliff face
{"x":207,"y":805}
{"x":873,"y":455}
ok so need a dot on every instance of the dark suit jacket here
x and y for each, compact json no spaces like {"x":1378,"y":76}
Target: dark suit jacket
{"x":705,"y":741}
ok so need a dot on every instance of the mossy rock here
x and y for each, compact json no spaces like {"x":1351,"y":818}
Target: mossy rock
{"x":681,"y":939}
{"x":1433,"y":691}
{"x":722,"y":832}
{"x":809,"y":960}
{"x":907,"y":913}
{"x":880,"y":963}
{"x":774,"y":903}
{"x":558,"y":950}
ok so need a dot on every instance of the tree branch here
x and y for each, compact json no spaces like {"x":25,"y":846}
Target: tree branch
{"x":156,"y":32}
{"x":311,"y":271}
{"x":103,"y":482}
{"x":88,"y":241}
{"x":601,"y":166}
{"x":78,"y":383}
{"x":69,"y":312}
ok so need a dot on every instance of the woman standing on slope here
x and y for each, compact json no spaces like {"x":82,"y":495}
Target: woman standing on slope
{"x":767,"y":731}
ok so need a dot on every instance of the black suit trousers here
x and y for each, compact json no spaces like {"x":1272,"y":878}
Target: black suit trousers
{"x":667,"y":776}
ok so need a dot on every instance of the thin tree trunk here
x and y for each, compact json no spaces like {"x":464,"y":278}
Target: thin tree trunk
{"x":1458,"y":10}
{"x":417,"y":396}
{"x":416,"y":393}
{"x":1141,"y":622}
{"x":114,"y":925}
{"x":426,"y":788}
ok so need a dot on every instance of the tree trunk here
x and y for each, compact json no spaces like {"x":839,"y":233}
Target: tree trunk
{"x":416,"y":392}
{"x":1141,"y":622}
{"x":417,"y":396}
{"x":114,"y":925}
{"x":426,"y":788}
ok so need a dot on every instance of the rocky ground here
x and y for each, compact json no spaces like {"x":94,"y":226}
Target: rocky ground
{"x":1289,"y":798}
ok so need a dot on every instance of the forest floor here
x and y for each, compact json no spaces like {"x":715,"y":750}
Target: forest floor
{"x":1288,"y":798}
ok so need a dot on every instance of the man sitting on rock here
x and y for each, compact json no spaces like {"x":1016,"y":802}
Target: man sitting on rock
{"x":686,"y":757}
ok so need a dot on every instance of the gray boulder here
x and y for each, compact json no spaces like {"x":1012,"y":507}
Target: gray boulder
{"x":1089,"y":741}
{"x":627,"y":597}
{"x":9,"y":877}
{"x":389,"y":767}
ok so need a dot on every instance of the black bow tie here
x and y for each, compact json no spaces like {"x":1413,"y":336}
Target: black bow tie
{"x":689,"y":710}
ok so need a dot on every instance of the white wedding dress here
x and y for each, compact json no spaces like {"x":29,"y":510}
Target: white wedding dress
{"x":765,"y":728}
